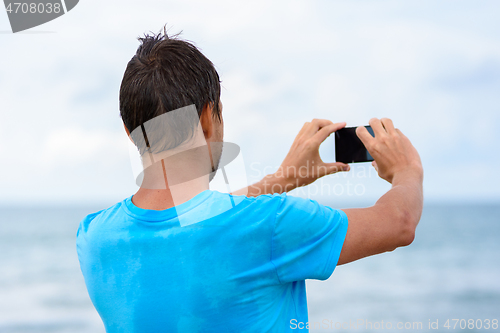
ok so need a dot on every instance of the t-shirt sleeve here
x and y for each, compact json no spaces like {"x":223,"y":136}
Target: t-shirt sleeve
{"x":307,"y":239}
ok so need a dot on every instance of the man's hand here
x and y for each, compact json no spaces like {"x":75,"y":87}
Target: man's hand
{"x":391,"y":150}
{"x":302,"y":165}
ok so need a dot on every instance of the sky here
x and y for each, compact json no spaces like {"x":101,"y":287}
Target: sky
{"x":433,"y":67}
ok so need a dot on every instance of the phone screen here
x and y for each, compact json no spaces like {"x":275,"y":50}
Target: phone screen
{"x":349,"y":148}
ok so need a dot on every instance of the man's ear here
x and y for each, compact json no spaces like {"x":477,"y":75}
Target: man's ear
{"x":206,"y":120}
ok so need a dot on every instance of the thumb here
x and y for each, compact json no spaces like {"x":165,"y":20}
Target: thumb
{"x":375,"y":165}
{"x":336,"y":167}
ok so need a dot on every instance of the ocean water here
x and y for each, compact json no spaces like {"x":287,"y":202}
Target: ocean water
{"x":451,"y":271}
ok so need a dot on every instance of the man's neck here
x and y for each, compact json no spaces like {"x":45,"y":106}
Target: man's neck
{"x":161,"y":199}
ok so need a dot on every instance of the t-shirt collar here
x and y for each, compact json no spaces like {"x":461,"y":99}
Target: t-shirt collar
{"x":166,"y":214}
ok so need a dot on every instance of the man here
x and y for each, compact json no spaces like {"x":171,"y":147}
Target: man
{"x":177,"y":257}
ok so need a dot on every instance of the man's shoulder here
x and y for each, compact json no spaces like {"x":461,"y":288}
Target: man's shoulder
{"x":276,"y":205}
{"x":99,"y":215}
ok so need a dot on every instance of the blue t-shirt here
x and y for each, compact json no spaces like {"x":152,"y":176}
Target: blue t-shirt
{"x":238,"y":270}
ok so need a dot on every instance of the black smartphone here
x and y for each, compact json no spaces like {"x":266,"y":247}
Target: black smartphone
{"x":349,"y":148}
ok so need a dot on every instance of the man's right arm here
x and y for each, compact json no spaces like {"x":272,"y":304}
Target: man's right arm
{"x":392,"y":221}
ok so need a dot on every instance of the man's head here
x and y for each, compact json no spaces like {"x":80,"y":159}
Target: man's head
{"x":166,"y":74}
{"x":169,"y":74}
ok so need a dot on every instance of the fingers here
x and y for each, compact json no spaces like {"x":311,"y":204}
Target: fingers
{"x":377,"y":127}
{"x":337,"y":167}
{"x":319,"y":123}
{"x":310,"y":128}
{"x":388,"y":125}
{"x":325,"y":132}
{"x":364,"y":136}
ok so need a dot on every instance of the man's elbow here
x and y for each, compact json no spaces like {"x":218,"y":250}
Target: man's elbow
{"x":408,"y":226}
{"x":407,"y":237}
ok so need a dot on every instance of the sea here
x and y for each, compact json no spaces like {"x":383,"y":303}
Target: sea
{"x":448,"y":279}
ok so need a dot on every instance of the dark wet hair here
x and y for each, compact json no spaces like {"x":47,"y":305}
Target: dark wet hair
{"x":165,"y":74}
